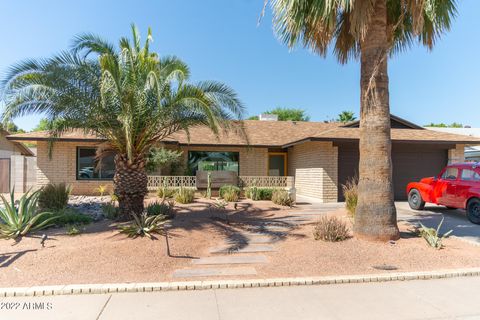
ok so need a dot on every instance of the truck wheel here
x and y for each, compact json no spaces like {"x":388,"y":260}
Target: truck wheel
{"x":473,"y":211}
{"x":415,"y":200}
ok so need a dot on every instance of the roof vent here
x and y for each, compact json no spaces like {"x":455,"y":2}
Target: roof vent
{"x":268,"y":117}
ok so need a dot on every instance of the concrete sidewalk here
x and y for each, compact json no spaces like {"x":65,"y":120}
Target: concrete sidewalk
{"x":425,"y":299}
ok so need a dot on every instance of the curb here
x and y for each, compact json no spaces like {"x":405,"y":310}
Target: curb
{"x":230,"y":284}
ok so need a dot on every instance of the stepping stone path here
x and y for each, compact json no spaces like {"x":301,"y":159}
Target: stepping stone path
{"x":246,"y":247}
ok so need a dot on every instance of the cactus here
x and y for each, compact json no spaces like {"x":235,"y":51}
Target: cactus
{"x":432,"y":235}
{"x":209,"y":185}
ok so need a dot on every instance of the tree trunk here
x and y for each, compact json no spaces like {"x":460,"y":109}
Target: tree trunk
{"x":130,"y":185}
{"x":375,"y":217}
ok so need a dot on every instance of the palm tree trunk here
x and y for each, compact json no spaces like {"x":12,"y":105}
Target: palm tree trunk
{"x":130,"y":185}
{"x":375,"y":217}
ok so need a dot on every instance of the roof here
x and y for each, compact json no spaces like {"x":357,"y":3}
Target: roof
{"x":23,"y":149}
{"x":270,"y":134}
{"x":395,"y":122}
{"x":473,"y":132}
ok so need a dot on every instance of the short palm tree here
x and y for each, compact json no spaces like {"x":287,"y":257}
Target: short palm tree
{"x":130,"y":96}
{"x":346,"y":116}
{"x":370,"y":31}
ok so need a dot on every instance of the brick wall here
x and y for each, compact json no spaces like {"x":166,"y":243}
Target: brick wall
{"x":457,"y":154}
{"x":62,"y":167}
{"x":315,"y":166}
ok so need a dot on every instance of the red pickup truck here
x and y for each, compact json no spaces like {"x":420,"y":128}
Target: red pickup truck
{"x":456,"y":187}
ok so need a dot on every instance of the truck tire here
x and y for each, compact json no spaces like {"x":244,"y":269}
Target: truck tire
{"x":415,"y":200}
{"x":473,"y":210}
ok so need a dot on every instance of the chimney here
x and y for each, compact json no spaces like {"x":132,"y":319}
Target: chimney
{"x":268,"y":117}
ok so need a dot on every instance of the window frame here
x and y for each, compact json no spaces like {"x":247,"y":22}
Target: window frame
{"x":446,"y":169}
{"x":475,"y":172}
{"x":77,"y":154}
{"x":217,"y":151}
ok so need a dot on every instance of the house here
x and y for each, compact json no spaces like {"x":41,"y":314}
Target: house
{"x":472,"y":153}
{"x":320,"y":156}
{"x":14,"y":158}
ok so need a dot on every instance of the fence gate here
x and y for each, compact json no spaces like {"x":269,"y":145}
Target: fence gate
{"x":4,"y":175}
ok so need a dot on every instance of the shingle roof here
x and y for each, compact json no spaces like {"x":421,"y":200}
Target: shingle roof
{"x":269,"y":133}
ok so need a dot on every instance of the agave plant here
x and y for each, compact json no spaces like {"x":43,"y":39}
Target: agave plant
{"x":144,"y":225}
{"x":432,"y":235}
{"x":17,"y":221}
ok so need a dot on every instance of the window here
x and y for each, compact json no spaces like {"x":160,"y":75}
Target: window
{"x":450,"y":174}
{"x":212,"y":161}
{"x":88,"y":168}
{"x":470,"y":175}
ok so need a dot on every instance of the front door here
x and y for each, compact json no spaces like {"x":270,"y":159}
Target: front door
{"x":445,"y":188}
{"x":277,"y":164}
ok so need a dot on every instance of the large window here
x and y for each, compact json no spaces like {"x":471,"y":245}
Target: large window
{"x":212,"y":161}
{"x":88,"y":168}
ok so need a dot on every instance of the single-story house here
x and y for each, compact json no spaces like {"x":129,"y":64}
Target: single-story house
{"x":12,"y":162}
{"x":472,"y":153}
{"x":320,"y":156}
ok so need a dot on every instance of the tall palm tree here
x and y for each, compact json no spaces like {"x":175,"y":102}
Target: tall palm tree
{"x":346,"y":116}
{"x":130,"y":96}
{"x":370,"y":31}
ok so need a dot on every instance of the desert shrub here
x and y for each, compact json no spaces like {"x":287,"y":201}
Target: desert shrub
{"x":70,"y":216}
{"x":161,"y":208}
{"x":73,"y":229}
{"x":17,"y":221}
{"x":144,"y":225}
{"x":54,"y":196}
{"x":110,"y":211}
{"x":350,"y":192}
{"x":282,"y":197}
{"x":259,"y":193}
{"x":185,"y":195}
{"x":101,"y":190}
{"x":229,"y":193}
{"x":165,"y":193}
{"x":432,"y":235}
{"x":330,"y":229}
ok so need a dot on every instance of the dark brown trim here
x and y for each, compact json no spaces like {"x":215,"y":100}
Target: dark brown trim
{"x":392,"y":117}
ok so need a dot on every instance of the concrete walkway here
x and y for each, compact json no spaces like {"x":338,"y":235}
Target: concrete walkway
{"x":425,"y":299}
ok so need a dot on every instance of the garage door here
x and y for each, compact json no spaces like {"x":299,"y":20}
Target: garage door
{"x":410,"y":163}
{"x":4,"y":175}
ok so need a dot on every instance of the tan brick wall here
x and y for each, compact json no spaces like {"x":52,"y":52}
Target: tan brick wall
{"x":315,"y":166}
{"x":457,"y":154}
{"x":62,"y":167}
{"x":253,"y":161}
{"x":7,"y":148}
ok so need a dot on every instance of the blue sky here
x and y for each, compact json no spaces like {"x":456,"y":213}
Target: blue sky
{"x":221,"y":40}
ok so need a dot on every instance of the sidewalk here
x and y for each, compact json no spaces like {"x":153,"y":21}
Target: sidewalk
{"x":424,"y":299}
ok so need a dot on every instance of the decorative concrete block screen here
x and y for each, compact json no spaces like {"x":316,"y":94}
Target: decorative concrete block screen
{"x":219,"y":178}
{"x":155,"y":182}
{"x":266,"y":181}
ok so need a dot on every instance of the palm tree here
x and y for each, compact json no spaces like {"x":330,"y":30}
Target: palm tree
{"x":370,"y":31}
{"x":130,"y":96}
{"x":346,"y":116}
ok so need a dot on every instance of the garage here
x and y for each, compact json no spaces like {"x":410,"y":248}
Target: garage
{"x":411,"y":162}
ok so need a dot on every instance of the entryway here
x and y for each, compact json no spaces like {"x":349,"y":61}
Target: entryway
{"x":277,"y":164}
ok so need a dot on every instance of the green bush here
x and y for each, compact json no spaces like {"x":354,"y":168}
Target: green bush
{"x":350,"y":192}
{"x":71,"y":217}
{"x":282,"y":198}
{"x":165,"y":193}
{"x":331,"y":229}
{"x":229,"y":193}
{"x":73,"y":229}
{"x":54,"y":197}
{"x":259,"y":193}
{"x":110,"y":211}
{"x":161,"y":208}
{"x":17,"y":221}
{"x":185,"y":195}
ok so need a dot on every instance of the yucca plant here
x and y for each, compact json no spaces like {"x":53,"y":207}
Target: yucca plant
{"x":144,"y":225}
{"x":432,"y":235}
{"x":101,"y":189}
{"x":17,"y":221}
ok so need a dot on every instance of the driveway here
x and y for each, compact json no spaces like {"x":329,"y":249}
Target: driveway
{"x":432,"y":215}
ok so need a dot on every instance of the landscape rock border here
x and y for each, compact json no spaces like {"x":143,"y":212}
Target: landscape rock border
{"x":228,"y":284}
